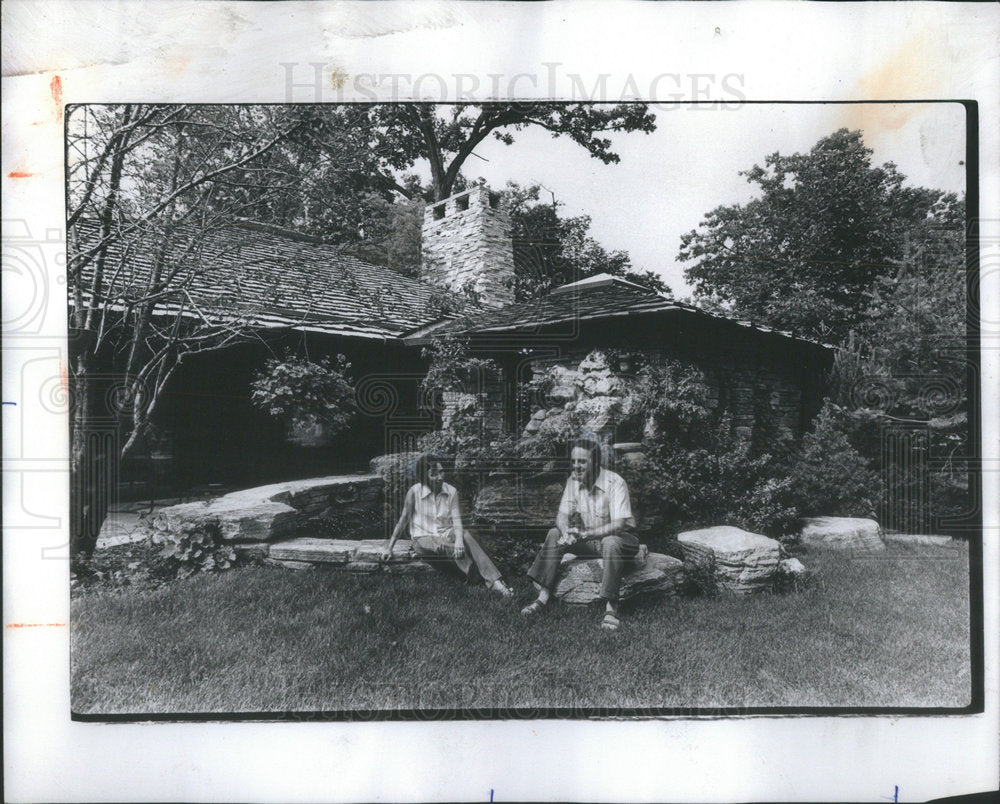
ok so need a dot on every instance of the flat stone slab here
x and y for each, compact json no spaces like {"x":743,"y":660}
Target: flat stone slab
{"x":580,"y":578}
{"x":371,"y":550}
{"x":267,"y":513}
{"x":918,"y":538}
{"x":307,"y":548}
{"x":293,"y":565}
{"x":843,"y":533}
{"x":740,"y":562}
{"x":236,"y":520}
{"x":404,"y":568}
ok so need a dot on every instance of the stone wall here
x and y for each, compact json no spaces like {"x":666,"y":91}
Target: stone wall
{"x":351,"y":504}
{"x":590,"y":381}
{"x":466,"y":242}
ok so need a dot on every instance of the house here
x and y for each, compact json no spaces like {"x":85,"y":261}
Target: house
{"x":313,"y":295}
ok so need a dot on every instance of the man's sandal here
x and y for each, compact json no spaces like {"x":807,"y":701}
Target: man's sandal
{"x":533,"y":608}
{"x":610,"y":622}
{"x":502,"y":589}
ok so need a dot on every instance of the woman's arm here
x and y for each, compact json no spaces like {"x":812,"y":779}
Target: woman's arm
{"x":403,"y":523}
{"x":456,"y":526}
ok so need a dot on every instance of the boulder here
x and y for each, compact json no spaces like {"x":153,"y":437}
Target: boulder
{"x":507,"y":503}
{"x":599,"y":414}
{"x":580,"y":578}
{"x":563,"y":383}
{"x":600,"y":383}
{"x":739,"y":562}
{"x":595,"y":361}
{"x":843,"y":533}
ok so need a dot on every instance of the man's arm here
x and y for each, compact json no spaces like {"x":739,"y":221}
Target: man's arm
{"x":613,"y":527}
{"x":562,"y":516}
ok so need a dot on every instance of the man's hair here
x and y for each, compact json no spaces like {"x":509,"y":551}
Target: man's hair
{"x":423,"y":465}
{"x":593,"y":448}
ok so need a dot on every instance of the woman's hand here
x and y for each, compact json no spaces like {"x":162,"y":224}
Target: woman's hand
{"x":386,"y":552}
{"x":459,"y":547}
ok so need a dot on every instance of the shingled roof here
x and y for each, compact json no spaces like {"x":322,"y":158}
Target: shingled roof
{"x":602,"y":297}
{"x":274,"y":279}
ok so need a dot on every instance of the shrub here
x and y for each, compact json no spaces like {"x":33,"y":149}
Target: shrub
{"x":830,"y":477}
{"x":304,"y":393}
{"x":195,"y":547}
{"x":699,"y":471}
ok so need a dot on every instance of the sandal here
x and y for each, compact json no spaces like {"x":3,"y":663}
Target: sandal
{"x":610,"y":622}
{"x":533,"y":608}
{"x":502,"y":589}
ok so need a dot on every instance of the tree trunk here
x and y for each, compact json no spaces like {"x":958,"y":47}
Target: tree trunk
{"x":93,"y":461}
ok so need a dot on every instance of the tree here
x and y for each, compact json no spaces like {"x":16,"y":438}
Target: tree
{"x":142,"y":230}
{"x":809,"y":251}
{"x":447,"y":136}
{"x":550,"y":250}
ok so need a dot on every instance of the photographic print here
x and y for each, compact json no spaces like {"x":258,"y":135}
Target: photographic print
{"x":522,"y":409}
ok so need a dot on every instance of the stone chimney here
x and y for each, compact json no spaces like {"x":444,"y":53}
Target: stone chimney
{"x":466,"y":242}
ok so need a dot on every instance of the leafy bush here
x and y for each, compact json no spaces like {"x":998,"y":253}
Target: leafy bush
{"x":830,"y":477}
{"x":195,"y":548}
{"x":135,"y":565}
{"x":699,"y":471}
{"x":306,"y":393}
{"x":476,"y":445}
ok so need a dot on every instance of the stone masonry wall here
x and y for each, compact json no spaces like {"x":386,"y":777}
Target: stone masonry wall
{"x":746,"y":388}
{"x":466,"y":242}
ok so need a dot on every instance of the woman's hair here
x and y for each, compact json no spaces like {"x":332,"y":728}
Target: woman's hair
{"x":593,"y":447}
{"x":424,"y":464}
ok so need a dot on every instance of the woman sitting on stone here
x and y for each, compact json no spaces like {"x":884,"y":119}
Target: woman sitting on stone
{"x":431,"y":513}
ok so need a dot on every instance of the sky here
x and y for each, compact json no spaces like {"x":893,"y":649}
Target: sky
{"x":667,"y":181}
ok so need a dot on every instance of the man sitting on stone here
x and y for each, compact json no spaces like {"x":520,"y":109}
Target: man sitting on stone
{"x":432,"y":517}
{"x":594,"y":520}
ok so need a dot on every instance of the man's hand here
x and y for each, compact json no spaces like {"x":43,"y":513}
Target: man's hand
{"x":569,"y":537}
{"x":459,"y":547}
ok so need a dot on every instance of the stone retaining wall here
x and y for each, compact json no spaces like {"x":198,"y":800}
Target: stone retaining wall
{"x":350,"y":503}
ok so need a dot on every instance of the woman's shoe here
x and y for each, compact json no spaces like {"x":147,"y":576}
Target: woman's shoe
{"x":502,"y":589}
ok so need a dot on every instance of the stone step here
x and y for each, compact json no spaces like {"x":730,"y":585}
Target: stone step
{"x":362,"y":555}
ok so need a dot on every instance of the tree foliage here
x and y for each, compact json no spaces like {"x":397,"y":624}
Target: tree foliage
{"x":446,"y":136}
{"x":550,"y":250}
{"x":811,"y":251}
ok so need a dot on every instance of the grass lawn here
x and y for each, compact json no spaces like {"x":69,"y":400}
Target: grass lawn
{"x":885,"y":631}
